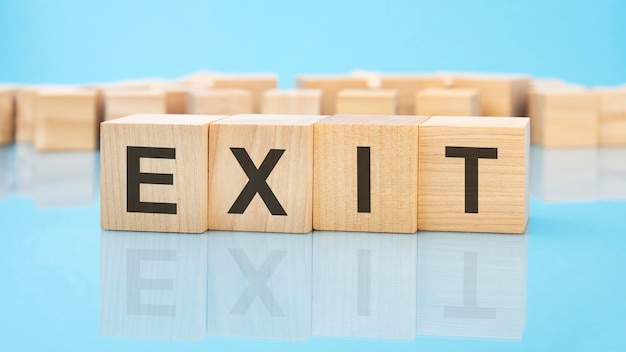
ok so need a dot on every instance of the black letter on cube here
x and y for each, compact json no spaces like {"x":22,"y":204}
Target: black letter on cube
{"x":134,"y":178}
{"x":363,"y":179}
{"x":471,"y":156}
{"x":257,"y":181}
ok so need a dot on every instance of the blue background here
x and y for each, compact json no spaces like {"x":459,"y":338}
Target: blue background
{"x":78,"y":41}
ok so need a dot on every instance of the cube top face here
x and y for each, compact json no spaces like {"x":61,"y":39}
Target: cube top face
{"x":261,"y":173}
{"x":154,"y":171}
{"x":170,"y":119}
{"x":374,"y":120}
{"x":269,"y":120}
{"x":448,"y":93}
{"x":367,"y":93}
{"x":225,"y":92}
{"x":293,"y":92}
{"x":473,"y":174}
{"x":518,"y":124}
{"x":366,"y":173}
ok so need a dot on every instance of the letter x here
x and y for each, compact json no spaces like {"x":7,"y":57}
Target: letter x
{"x":257,"y":182}
{"x":256,"y":282}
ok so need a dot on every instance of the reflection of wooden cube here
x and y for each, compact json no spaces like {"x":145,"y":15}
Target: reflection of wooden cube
{"x":366,"y":102}
{"x":407,"y":85}
{"x":66,"y":120}
{"x":154,"y":173}
{"x":7,"y":115}
{"x":330,"y":85}
{"x":612,"y":107}
{"x":293,"y":102}
{"x":364,"y":285}
{"x":564,"y":118}
{"x":447,"y":102}
{"x":472,"y":285}
{"x":266,"y":155}
{"x":153,"y":285}
{"x":366,"y":173}
{"x":500,"y":95}
{"x":220,"y":102}
{"x":120,"y":102}
{"x":259,"y":285}
{"x":255,"y":83}
{"x":473,"y":174}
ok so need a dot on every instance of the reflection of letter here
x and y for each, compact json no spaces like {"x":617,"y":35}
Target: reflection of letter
{"x":259,"y":285}
{"x":135,"y":283}
{"x":471,"y":285}
{"x":257,"y":281}
{"x":153,"y":285}
{"x":364,"y":285}
{"x":469,"y":309}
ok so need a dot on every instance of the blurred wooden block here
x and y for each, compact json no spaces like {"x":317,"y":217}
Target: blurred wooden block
{"x":66,"y":120}
{"x":612,"y":110}
{"x":330,"y":85}
{"x":366,"y":173}
{"x":447,"y":102}
{"x":564,"y":117}
{"x":199,"y":79}
{"x":220,"y":102}
{"x":473,"y":174}
{"x":7,"y":115}
{"x":24,"y":114}
{"x":268,"y":155}
{"x":255,"y":83}
{"x":121,"y":103}
{"x":373,"y":78}
{"x":292,"y":102}
{"x":407,"y":85}
{"x":176,"y":99}
{"x":154,"y":173}
{"x":500,"y":95}
{"x":366,"y":102}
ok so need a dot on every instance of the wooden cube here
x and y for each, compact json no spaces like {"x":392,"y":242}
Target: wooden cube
{"x":121,"y":102}
{"x":473,"y":174}
{"x":564,"y":117}
{"x":266,"y":155}
{"x":292,"y":102}
{"x":154,"y":173}
{"x":330,"y":86}
{"x":366,"y":173}
{"x":365,"y":101}
{"x":447,"y":102}
{"x":407,"y":85}
{"x":66,"y":120}
{"x":612,"y":109}
{"x":7,"y":115}
{"x":220,"y":102}
{"x":176,"y":99}
{"x":24,"y":114}
{"x":500,"y":95}
{"x":255,"y":83}
{"x":373,"y":78}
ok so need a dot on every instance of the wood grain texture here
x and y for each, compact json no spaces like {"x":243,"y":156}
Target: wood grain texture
{"x":447,"y":102}
{"x":612,"y":119}
{"x":66,"y":120}
{"x":500,"y":95}
{"x":290,"y":180}
{"x":407,"y":85}
{"x":220,"y":102}
{"x":189,"y":136}
{"x":330,"y":85}
{"x":502,"y":182}
{"x":565,"y":117}
{"x":366,"y":102}
{"x":7,"y":115}
{"x":393,"y":143}
{"x":292,"y":102}
{"x":255,"y":83}
{"x":120,"y":102}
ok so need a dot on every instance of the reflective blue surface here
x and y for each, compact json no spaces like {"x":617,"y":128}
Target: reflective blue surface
{"x":68,"y":285}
